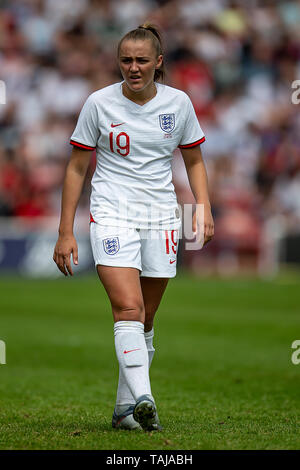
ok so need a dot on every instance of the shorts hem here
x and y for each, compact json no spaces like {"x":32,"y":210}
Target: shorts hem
{"x":156,"y":274}
{"x":117,"y":265}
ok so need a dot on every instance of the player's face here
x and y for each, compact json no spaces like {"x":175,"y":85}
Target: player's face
{"x":138,"y":61}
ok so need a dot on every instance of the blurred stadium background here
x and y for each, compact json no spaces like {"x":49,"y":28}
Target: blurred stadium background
{"x":237,"y":60}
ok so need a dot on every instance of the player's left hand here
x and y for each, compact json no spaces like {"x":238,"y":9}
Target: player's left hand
{"x":203,"y":222}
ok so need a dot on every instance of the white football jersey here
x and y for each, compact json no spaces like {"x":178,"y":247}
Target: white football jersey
{"x":132,"y":183}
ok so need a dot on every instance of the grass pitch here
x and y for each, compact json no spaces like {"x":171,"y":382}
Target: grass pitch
{"x":222,"y":374}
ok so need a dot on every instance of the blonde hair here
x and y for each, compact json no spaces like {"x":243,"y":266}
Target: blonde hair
{"x":151,"y":32}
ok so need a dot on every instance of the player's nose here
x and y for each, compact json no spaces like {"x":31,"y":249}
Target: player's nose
{"x":134,"y":67}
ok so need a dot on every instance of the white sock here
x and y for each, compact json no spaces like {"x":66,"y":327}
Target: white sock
{"x":133,"y":359}
{"x":124,"y":395}
{"x":149,"y":343}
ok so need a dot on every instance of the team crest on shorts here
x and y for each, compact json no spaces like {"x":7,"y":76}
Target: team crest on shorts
{"x":167,"y":122}
{"x":111,"y":245}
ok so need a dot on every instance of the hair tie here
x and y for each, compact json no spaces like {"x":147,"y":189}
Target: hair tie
{"x":151,"y":31}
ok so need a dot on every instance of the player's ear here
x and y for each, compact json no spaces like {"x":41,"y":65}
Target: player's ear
{"x":159,"y":61}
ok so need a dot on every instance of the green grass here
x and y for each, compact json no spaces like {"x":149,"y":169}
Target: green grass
{"x":222,"y":375}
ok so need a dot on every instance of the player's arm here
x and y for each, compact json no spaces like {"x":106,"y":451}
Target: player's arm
{"x":197,"y":176}
{"x":72,"y":187}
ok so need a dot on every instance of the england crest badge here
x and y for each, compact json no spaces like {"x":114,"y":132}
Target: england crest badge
{"x":111,"y":245}
{"x":167,"y":122}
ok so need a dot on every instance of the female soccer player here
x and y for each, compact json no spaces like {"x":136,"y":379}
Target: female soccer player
{"x":134,"y":126}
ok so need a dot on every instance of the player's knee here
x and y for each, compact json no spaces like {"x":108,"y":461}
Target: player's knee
{"x":129,"y":312}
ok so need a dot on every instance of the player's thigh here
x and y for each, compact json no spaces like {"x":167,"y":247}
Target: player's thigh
{"x":124,"y":291}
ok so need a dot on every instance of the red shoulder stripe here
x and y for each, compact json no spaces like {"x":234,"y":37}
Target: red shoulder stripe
{"x":91,"y":218}
{"x":77,"y":144}
{"x":193,"y":144}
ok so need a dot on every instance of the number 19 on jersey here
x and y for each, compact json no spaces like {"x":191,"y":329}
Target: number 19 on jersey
{"x":121,"y":142}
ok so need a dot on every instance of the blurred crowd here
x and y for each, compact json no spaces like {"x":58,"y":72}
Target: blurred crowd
{"x":237,"y":60}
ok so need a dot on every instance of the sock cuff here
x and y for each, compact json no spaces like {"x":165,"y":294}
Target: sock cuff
{"x":149,"y":334}
{"x":126,"y":326}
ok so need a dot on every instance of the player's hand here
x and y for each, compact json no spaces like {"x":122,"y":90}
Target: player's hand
{"x":65,"y":246}
{"x":204,"y":224}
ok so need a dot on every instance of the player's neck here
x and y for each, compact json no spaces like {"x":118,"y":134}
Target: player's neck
{"x":140,"y":97}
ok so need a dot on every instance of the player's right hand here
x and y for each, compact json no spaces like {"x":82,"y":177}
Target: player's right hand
{"x":65,"y":246}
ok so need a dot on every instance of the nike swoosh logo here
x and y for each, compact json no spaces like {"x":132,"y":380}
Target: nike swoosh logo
{"x":125,"y":352}
{"x":172,"y":261}
{"x":116,"y":125}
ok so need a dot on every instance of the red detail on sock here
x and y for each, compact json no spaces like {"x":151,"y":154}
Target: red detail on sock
{"x":125,"y":352}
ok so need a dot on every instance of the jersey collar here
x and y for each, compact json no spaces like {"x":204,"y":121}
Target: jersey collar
{"x":135,"y":106}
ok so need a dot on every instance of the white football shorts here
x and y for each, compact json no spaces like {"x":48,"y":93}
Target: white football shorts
{"x":152,"y":252}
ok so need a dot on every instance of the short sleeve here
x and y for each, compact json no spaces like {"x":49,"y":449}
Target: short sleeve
{"x":192,"y":132}
{"x":87,"y":131}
